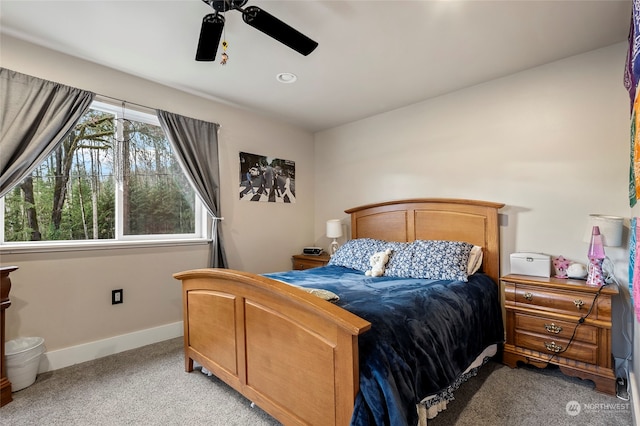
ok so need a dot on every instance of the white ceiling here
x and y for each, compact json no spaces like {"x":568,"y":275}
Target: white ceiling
{"x":373,"y":56}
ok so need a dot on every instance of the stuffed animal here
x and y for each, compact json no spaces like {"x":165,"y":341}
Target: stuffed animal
{"x":577,"y":270}
{"x":378,"y":261}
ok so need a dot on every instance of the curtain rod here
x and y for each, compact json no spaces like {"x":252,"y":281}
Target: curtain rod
{"x":125,"y":102}
{"x":140,"y":105}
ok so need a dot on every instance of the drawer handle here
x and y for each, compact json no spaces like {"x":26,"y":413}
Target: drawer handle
{"x":552,"y":328}
{"x":528,"y":296}
{"x":578,"y":303}
{"x":552,"y":347}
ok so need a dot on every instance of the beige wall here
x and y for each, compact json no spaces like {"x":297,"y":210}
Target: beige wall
{"x":65,"y":297}
{"x":552,"y":143}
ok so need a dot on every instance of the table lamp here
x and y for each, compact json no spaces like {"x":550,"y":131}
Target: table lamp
{"x":601,"y":231}
{"x":334,"y":230}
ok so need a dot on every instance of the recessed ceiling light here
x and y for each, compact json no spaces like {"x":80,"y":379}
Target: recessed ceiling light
{"x":286,"y":77}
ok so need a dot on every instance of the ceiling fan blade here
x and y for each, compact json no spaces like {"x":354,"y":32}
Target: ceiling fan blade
{"x":275,"y":28}
{"x":210,"y":34}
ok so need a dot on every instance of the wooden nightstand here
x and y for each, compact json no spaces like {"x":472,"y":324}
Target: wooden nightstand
{"x":541,"y":316}
{"x":304,"y":261}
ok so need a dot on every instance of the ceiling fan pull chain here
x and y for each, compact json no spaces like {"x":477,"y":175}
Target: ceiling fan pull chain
{"x":224,"y":55}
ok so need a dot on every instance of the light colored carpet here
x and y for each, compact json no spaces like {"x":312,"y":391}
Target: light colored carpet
{"x":529,"y":396}
{"x":145,"y":386}
{"x":148,"y":386}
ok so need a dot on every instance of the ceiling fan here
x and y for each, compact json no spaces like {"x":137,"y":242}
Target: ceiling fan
{"x":213,"y":24}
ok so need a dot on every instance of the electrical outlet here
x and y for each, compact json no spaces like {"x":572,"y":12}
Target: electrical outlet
{"x":116,"y":296}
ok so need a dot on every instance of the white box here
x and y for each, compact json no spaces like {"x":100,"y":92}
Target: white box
{"x":534,"y":264}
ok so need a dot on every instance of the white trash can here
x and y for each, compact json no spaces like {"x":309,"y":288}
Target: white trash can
{"x":22,"y":356}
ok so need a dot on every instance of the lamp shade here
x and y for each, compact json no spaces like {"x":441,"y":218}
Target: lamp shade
{"x":610,"y":229}
{"x":334,"y":228}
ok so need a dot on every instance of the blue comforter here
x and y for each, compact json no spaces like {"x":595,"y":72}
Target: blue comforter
{"x":424,"y":334}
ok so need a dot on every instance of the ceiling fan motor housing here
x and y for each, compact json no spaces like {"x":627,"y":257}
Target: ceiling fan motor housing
{"x":225,"y":5}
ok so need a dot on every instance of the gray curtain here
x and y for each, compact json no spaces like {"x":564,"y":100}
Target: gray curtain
{"x":195,"y":143}
{"x":35,"y":116}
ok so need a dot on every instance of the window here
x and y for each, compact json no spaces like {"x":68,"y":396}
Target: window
{"x":114,"y":177}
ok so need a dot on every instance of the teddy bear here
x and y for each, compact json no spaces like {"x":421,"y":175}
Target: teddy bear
{"x":378,"y":261}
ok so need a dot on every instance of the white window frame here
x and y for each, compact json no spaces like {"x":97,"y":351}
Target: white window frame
{"x":201,"y":216}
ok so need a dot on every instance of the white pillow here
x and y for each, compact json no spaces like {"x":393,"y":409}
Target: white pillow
{"x":475,"y":260}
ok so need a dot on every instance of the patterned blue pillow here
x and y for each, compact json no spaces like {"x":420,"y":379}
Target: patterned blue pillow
{"x":400,"y":260}
{"x":355,"y":254}
{"x":440,"y":260}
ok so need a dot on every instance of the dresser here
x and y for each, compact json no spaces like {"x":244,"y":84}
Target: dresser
{"x":563,"y":322}
{"x":5,"y":302}
{"x":305,"y":261}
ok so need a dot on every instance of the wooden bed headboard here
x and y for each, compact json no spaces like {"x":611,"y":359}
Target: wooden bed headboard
{"x":475,"y":222}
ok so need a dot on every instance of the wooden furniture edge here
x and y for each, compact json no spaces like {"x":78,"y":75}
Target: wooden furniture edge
{"x":5,"y":302}
{"x":463,"y":201}
{"x":604,"y":379}
{"x":560,"y":283}
{"x":343,"y":318}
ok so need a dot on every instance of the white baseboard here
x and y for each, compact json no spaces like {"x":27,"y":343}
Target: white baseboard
{"x":634,"y":390}
{"x":54,"y":360}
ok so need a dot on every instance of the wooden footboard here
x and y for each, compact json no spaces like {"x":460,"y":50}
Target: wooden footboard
{"x":293,"y":354}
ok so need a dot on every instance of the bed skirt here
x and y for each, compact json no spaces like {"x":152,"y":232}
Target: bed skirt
{"x":434,"y":404}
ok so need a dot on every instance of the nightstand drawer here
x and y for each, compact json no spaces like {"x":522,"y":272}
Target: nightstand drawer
{"x":305,"y":261}
{"x":549,"y":345}
{"x":304,"y":264}
{"x":556,"y":329}
{"x":573,"y":303}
